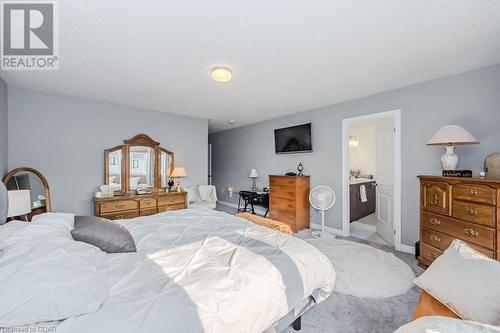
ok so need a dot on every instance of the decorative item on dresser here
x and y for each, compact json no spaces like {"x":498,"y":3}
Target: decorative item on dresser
{"x":449,"y":136}
{"x":139,"y":166}
{"x":289,"y":200}
{"x":127,"y":207}
{"x":458,"y":208}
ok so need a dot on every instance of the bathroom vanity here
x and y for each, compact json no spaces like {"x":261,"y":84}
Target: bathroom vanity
{"x":360,"y":209}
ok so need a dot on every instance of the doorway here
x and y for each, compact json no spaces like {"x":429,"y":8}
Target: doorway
{"x":371,"y":177}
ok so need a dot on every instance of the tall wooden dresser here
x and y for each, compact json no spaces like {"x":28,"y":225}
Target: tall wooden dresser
{"x":458,"y":208}
{"x":289,"y":200}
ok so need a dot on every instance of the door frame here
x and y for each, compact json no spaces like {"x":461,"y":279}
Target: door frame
{"x":396,"y":149}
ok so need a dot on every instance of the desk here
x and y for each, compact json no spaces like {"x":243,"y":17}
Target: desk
{"x":253,"y":197}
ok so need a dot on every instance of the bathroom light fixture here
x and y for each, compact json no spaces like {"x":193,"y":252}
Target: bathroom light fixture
{"x":353,"y":141}
{"x":221,"y":74}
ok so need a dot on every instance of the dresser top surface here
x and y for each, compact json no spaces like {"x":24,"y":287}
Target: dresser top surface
{"x":490,"y":181}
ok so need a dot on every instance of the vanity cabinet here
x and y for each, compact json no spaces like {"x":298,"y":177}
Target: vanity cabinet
{"x":360,"y":209}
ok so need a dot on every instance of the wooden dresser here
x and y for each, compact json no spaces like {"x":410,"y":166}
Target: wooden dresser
{"x":458,"y":208}
{"x":130,"y":206}
{"x":289,"y":200}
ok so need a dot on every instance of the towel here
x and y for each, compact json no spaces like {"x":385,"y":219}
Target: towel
{"x":362,"y":193}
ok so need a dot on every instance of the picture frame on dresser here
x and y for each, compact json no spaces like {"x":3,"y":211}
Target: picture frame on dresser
{"x":458,"y":208}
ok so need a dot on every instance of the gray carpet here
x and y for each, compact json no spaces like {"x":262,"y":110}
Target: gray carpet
{"x":348,"y":314}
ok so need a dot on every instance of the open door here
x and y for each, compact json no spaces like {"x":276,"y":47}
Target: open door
{"x":384,"y":166}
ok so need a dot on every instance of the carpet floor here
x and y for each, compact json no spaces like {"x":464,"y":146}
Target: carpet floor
{"x":348,"y":314}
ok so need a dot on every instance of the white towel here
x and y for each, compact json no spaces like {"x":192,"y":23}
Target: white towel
{"x":362,"y":193}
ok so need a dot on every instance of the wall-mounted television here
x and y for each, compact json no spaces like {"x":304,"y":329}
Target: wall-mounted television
{"x":292,"y":140}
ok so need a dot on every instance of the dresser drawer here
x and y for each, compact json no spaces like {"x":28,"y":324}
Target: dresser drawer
{"x":429,"y":253}
{"x":442,"y":241}
{"x":282,"y":203}
{"x":468,"y":232}
{"x":436,"y":197}
{"x":147,"y":203}
{"x":122,"y":215}
{"x":171,"y":199}
{"x":281,"y":181}
{"x":147,"y":212}
{"x":117,"y":206}
{"x":475,"y":193}
{"x":165,"y":208}
{"x":279,"y":191}
{"x":481,"y":214}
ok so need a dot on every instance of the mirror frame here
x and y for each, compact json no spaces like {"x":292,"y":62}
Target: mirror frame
{"x":123,"y":177}
{"x":12,"y":173}
{"x":138,"y":140}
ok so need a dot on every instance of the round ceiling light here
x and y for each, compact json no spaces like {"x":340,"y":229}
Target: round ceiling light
{"x":221,"y":74}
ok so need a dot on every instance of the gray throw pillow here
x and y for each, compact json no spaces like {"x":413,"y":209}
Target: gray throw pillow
{"x":110,"y":237}
{"x":4,"y":203}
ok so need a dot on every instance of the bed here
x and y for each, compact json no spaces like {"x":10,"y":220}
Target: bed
{"x":196,"y":270}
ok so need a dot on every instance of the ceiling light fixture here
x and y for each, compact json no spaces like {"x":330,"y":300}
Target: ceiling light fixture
{"x":221,"y":74}
{"x":231,"y":122}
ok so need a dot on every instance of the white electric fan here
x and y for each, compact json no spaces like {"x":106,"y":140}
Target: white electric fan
{"x":322,"y":198}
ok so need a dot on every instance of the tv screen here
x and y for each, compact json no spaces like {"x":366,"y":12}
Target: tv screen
{"x":295,"y":139}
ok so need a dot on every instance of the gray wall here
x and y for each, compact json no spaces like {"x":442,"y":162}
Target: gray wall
{"x":471,"y":99}
{"x":3,"y":128}
{"x":64,"y":137}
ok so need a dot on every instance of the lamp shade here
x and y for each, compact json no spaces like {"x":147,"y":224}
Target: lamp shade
{"x":253,"y":173}
{"x":178,"y":172}
{"x":452,"y":134}
{"x":19,"y":203}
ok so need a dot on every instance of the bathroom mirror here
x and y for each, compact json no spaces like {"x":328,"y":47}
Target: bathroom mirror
{"x":32,"y":180}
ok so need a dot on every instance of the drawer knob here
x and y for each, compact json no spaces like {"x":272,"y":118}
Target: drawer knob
{"x":119,"y":217}
{"x":120,"y":205}
{"x":149,"y":213}
{"x":435,"y":238}
{"x":470,"y":211}
{"x":435,"y":200}
{"x":434,"y":221}
{"x":471,"y":192}
{"x":434,"y":255}
{"x":471,"y":232}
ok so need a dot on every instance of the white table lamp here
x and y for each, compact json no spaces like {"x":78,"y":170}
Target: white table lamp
{"x":178,"y":172}
{"x":449,"y":136}
{"x":19,"y":203}
{"x":254,"y":175}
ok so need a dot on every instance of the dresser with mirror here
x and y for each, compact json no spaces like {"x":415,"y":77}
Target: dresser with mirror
{"x":139,"y":165}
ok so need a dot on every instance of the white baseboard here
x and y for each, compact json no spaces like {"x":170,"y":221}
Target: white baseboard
{"x":258,"y":209}
{"x":407,"y":248}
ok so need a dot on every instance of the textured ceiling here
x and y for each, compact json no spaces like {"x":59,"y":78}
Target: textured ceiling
{"x":286,"y":56}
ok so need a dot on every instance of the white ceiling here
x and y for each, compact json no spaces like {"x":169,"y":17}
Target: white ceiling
{"x":287,"y":56}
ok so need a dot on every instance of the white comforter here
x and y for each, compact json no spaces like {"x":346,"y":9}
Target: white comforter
{"x":199,"y":270}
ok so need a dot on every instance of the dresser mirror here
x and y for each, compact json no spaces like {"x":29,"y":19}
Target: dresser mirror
{"x":114,"y":169}
{"x":33,"y":181}
{"x":138,"y":164}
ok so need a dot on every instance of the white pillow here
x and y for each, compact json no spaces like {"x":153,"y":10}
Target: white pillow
{"x":206,"y":192}
{"x":466,"y":281}
{"x":193,"y":194}
{"x":45,"y":275}
{"x":435,"y":324}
